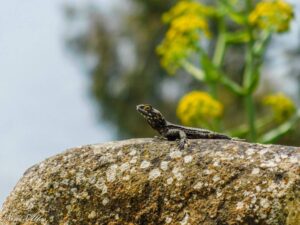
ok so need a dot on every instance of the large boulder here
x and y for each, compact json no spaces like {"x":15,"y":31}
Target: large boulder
{"x":143,"y":181}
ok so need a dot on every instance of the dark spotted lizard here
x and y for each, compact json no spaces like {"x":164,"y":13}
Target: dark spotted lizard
{"x":172,"y":131}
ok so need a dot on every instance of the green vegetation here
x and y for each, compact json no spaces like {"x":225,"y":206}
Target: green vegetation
{"x":215,"y":49}
{"x":183,"y":48}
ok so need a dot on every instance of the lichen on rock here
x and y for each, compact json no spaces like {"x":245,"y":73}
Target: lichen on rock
{"x":142,"y":181}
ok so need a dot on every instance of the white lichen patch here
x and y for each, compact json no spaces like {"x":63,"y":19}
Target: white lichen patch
{"x":268,"y":164}
{"x":188,"y":159}
{"x":283,"y":156}
{"x":92,"y":215}
{"x":178,"y":184}
{"x":219,"y":194}
{"x":228,"y":146}
{"x":168,"y":220}
{"x":100,"y":185}
{"x":170,"y":180}
{"x":277,"y":158}
{"x":132,"y":152}
{"x":263,"y":151}
{"x":185,"y":219}
{"x":127,"y":177}
{"x":74,"y":190}
{"x":92,"y":179}
{"x":107,"y":158}
{"x":272,"y":187}
{"x":124,"y":167}
{"x":65,"y":181}
{"x":294,"y":159}
{"x":246,"y":193}
{"x":175,"y":154}
{"x":105,"y":201}
{"x":133,"y":160}
{"x":240,"y":205}
{"x":111,"y":173}
{"x":253,"y":200}
{"x":155,"y":173}
{"x":250,"y":151}
{"x":255,"y":171}
{"x":207,"y":172}
{"x":216,"y":178}
{"x":97,"y":149}
{"x":69,"y":208}
{"x":79,"y":178}
{"x":264,"y":203}
{"x":198,"y":185}
{"x":177,"y":173}
{"x":257,"y":188}
{"x":145,"y":164}
{"x":120,"y":153}
{"x":216,"y":164}
{"x":164,"y":165}
{"x":133,"y":170}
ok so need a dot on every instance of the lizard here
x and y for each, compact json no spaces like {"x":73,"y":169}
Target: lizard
{"x":171,"y":131}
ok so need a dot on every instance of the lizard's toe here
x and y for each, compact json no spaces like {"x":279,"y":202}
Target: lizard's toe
{"x":182,"y":144}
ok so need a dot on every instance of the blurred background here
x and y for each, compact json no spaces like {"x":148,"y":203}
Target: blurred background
{"x":73,"y":71}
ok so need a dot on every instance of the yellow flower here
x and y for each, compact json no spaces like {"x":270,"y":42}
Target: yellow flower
{"x":272,"y":15}
{"x":187,"y":21}
{"x":198,"y":108}
{"x":185,"y":7}
{"x":283,"y":107}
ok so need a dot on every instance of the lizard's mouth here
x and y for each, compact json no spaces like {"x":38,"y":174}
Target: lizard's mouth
{"x":140,"y":109}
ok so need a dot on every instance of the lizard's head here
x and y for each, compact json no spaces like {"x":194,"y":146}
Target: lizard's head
{"x":152,"y":115}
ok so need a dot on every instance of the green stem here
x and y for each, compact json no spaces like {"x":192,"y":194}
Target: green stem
{"x":231,"y":85}
{"x":221,"y":43}
{"x":248,"y":76}
{"x":251,"y":116}
{"x":248,"y":79}
{"x":194,"y":71}
{"x":213,"y":89}
{"x":218,"y":60}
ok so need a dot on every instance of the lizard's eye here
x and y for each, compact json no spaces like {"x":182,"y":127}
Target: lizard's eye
{"x":147,"y":107}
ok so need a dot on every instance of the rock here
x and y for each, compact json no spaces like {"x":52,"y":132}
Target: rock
{"x":142,"y":181}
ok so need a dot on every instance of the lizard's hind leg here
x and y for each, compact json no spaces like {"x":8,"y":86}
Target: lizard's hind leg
{"x":174,"y":134}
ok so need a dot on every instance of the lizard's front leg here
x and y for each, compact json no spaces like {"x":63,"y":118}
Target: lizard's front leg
{"x":177,"y":134}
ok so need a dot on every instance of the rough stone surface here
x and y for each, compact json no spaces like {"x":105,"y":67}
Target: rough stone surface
{"x":142,"y":181}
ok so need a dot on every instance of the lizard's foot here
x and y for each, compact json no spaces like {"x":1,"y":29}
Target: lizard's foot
{"x":159,"y":138}
{"x":182,"y":143}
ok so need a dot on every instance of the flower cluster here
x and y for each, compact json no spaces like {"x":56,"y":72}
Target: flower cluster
{"x":272,"y":15}
{"x":282,"y":106}
{"x":197,"y":107}
{"x":187,"y":20}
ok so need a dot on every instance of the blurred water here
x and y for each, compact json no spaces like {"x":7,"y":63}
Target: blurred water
{"x":44,"y":104}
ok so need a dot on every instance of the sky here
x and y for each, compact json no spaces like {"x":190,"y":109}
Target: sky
{"x":44,"y":95}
